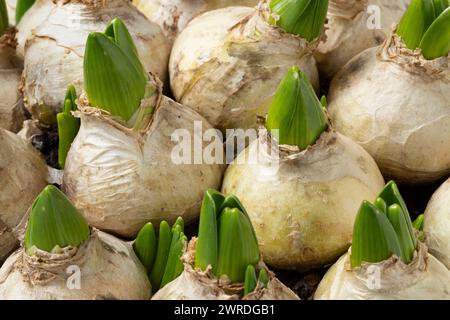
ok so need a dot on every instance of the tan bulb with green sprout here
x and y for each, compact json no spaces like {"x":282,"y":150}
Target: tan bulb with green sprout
{"x":173,"y":15}
{"x":301,"y":182}
{"x":11,"y":106}
{"x":227,"y":63}
{"x":224,"y":262}
{"x":353,"y":26}
{"x":63,"y":259}
{"x":436,"y":224}
{"x":121,"y":170}
{"x":23,"y":174}
{"x":53,"y":50}
{"x":386,"y":260}
{"x":394,"y":100}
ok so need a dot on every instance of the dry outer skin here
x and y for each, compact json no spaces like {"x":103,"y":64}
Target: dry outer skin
{"x":396,"y":105}
{"x":227,"y":64}
{"x":122,"y":178}
{"x":304,"y":205}
{"x":173,"y":15}
{"x":23,"y":176}
{"x":425,"y":278}
{"x":350,"y":29}
{"x":11,"y":106}
{"x":194,"y":284}
{"x":108,"y":269}
{"x":437,"y":224}
{"x":34,"y":16}
{"x":54,"y":50}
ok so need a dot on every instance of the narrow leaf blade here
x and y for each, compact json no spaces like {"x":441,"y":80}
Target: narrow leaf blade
{"x":145,"y":246}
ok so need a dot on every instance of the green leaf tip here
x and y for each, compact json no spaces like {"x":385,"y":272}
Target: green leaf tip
{"x":250,"y":280}
{"x":374,"y":238}
{"x":426,"y":25}
{"x":206,"y":247}
{"x":263,"y":279}
{"x":305,"y":18}
{"x":174,"y":265}
{"x":145,"y":245}
{"x":419,"y":223}
{"x":436,"y":41}
{"x":68,"y":125}
{"x":4,"y":22}
{"x":237,"y":244}
{"x":391,"y":195}
{"x":114,"y":78}
{"x":226,"y":239}
{"x":54,"y":222}
{"x":22,"y":7}
{"x":397,"y":219}
{"x":162,"y":255}
{"x":295,"y":111}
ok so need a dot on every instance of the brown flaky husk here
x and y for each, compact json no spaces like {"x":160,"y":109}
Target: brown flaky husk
{"x":121,"y":178}
{"x":104,"y":267}
{"x":396,"y":105}
{"x":23,"y":175}
{"x":194,"y":284}
{"x":227,"y":64}
{"x":437,"y":224}
{"x":425,"y":278}
{"x":351,"y":28}
{"x":173,"y":15}
{"x":12,"y":112}
{"x":54,"y":49}
{"x":305,"y":200}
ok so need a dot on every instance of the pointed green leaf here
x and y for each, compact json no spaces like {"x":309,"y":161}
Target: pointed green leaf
{"x":22,"y":7}
{"x":177,"y":245}
{"x":374,"y":238}
{"x":145,"y":246}
{"x":250,"y":280}
{"x":68,"y":125}
{"x":162,"y":254}
{"x":4,"y":23}
{"x":206,"y":246}
{"x":296,"y":111}
{"x":112,"y":80}
{"x":305,"y":18}
{"x":391,"y":195}
{"x":418,"y":224}
{"x":179,"y":222}
{"x":237,"y":244}
{"x":415,"y":22}
{"x":324,"y":101}
{"x":54,"y":221}
{"x":381,"y":205}
{"x":263,"y":278}
{"x":398,"y":221}
{"x":118,"y":32}
{"x":436,"y":41}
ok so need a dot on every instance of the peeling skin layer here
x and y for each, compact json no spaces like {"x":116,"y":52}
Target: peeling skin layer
{"x":23,"y":176}
{"x":11,"y":106}
{"x":437,"y":224}
{"x":54,"y":50}
{"x":120,"y":178}
{"x":173,"y":15}
{"x":396,"y":105}
{"x":228,"y":63}
{"x":303,"y":211}
{"x":108,"y":269}
{"x":425,"y":278}
{"x":194,"y":284}
{"x":348,"y":33}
